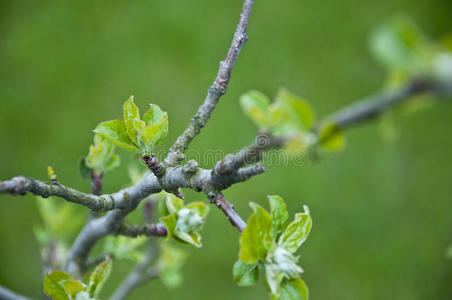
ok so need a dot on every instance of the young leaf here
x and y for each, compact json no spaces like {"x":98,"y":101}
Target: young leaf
{"x":273,"y":279}
{"x":83,"y":168}
{"x":200,"y":207}
{"x":296,"y":232}
{"x":170,"y":223}
{"x":154,"y":133}
{"x":294,"y":110}
{"x":55,"y":216}
{"x":112,"y":163}
{"x":280,"y":216}
{"x":245,"y":274}
{"x":51,"y":173}
{"x":255,"y":240}
{"x":188,"y":220}
{"x":83,"y":296}
{"x":116,"y":131}
{"x":122,"y":247}
{"x":99,"y":276}
{"x":73,"y":287}
{"x":54,"y":285}
{"x":397,"y":44}
{"x":192,"y":238}
{"x":331,"y":137}
{"x":153,"y":115}
{"x":173,"y":203}
{"x":130,"y":110}
{"x":169,"y":264}
{"x":292,"y":289}
{"x":101,"y":155}
{"x":256,"y":106}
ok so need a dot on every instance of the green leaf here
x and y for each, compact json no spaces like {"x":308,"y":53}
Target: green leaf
{"x":293,"y":289}
{"x":397,"y":44}
{"x":256,"y":106}
{"x":83,"y":168}
{"x":245,"y":274}
{"x":289,"y":108}
{"x":116,"y":131}
{"x":112,"y":163}
{"x":298,"y":144}
{"x":273,"y":279}
{"x":153,"y":115}
{"x":55,"y":214}
{"x":200,"y":207}
{"x":99,"y":276}
{"x":255,"y":240}
{"x":280,"y":216}
{"x":192,"y":238}
{"x":54,"y":285}
{"x":189,"y":220}
{"x":83,"y":296}
{"x":134,"y":130}
{"x":169,"y":264}
{"x":123,"y":247}
{"x":132,"y":121}
{"x":130,"y":110}
{"x":153,"y":134}
{"x":296,"y":232}
{"x":101,"y":155}
{"x":173,"y":203}
{"x":73,"y":287}
{"x":170,"y":224}
{"x":51,"y":173}
{"x":331,"y":137}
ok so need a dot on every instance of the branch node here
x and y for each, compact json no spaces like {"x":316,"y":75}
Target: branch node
{"x":190,"y":167}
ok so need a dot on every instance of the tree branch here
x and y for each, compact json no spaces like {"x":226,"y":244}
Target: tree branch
{"x":217,"y":89}
{"x":252,"y":154}
{"x":371,"y":107}
{"x":122,"y":202}
{"x":21,"y":185}
{"x":147,"y":229}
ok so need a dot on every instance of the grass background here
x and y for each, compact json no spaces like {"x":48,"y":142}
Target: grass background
{"x":381,"y":210}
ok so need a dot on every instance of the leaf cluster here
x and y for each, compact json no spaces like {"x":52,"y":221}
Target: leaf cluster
{"x":133,"y":133}
{"x":183,"y":222}
{"x":60,"y":285}
{"x":269,"y":242}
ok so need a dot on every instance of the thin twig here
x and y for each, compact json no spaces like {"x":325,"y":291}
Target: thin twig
{"x":228,"y":209}
{"x":217,"y":89}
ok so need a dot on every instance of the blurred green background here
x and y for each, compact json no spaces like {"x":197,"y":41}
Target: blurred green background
{"x":381,"y":210}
